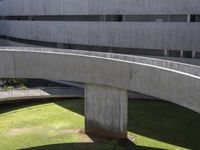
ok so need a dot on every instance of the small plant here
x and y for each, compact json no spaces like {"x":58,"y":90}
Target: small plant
{"x":23,"y":87}
{"x":7,"y":88}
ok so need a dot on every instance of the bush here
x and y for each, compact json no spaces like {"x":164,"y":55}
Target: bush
{"x":13,"y":81}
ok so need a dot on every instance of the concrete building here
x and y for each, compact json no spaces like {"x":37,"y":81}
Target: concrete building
{"x":146,"y":27}
{"x":163,"y":29}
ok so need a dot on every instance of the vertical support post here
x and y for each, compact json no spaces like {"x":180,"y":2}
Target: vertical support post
{"x":165,"y":52}
{"x":105,"y":111}
{"x":188,"y":18}
{"x":124,"y":18}
{"x":193,"y":54}
{"x":181,"y":53}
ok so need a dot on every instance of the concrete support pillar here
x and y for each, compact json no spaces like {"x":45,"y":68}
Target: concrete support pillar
{"x":188,"y":18}
{"x":181,"y":54}
{"x":165,"y":52}
{"x":123,"y":18}
{"x":105,"y":111}
{"x":193,"y":54}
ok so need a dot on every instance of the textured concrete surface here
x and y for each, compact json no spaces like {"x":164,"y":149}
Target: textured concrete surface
{"x":147,"y":35}
{"x":106,"y":111}
{"x":176,"y":86}
{"x":74,"y":7}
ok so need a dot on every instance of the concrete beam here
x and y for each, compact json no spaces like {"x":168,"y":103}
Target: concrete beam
{"x":105,"y":111}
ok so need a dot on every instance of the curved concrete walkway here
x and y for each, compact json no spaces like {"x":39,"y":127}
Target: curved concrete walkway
{"x":172,"y":81}
{"x":107,"y":78}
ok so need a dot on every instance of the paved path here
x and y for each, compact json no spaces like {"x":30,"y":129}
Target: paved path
{"x":40,"y":93}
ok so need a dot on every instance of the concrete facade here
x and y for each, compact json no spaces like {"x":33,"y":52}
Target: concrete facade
{"x":153,"y":34}
{"x":74,"y":7}
{"x":106,"y":111}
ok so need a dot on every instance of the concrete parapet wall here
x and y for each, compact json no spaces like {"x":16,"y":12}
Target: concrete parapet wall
{"x":154,"y":35}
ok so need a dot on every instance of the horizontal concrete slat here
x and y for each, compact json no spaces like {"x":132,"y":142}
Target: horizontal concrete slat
{"x":74,"y":7}
{"x":149,"y":35}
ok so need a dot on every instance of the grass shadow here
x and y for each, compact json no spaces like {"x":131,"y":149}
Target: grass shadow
{"x":159,"y":120}
{"x":96,"y":145}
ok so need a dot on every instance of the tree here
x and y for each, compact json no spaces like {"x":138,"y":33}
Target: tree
{"x":13,"y":81}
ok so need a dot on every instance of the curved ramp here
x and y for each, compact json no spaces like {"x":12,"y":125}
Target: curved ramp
{"x":172,"y":81}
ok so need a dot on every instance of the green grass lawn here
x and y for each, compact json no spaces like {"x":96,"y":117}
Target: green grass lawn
{"x":56,"y":125}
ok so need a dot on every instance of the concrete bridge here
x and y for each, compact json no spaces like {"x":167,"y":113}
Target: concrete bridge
{"x":107,"y":79}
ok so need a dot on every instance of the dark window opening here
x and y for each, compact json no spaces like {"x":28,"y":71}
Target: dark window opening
{"x":174,"y":53}
{"x":187,"y":54}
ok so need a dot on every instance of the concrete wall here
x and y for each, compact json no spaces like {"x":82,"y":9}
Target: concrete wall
{"x":66,"y":7}
{"x":180,"y":36}
{"x":168,"y":84}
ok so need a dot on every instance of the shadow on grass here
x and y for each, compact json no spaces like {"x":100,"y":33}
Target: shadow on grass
{"x":159,"y":120}
{"x":97,"y":145}
{"x":8,"y":106}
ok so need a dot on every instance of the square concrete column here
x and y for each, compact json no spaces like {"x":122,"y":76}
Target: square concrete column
{"x":105,"y":111}
{"x":165,"y":52}
{"x":188,"y":18}
{"x":181,"y":53}
{"x":193,"y":54}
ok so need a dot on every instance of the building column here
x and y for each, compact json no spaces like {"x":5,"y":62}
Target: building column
{"x":188,"y":18}
{"x":193,"y":54}
{"x":181,"y":55}
{"x":165,"y":52}
{"x":124,"y":18}
{"x":105,"y":111}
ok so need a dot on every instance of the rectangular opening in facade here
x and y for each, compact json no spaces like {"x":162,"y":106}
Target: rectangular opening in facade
{"x":195,"y":18}
{"x":114,"y":18}
{"x":187,"y":54}
{"x":174,"y":53}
